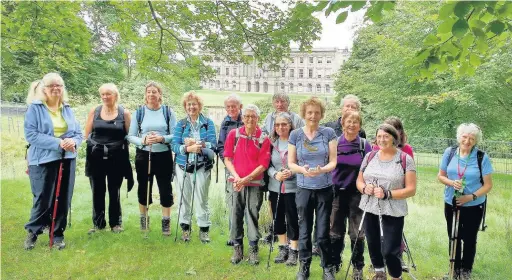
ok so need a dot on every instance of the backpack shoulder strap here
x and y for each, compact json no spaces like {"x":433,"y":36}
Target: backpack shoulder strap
{"x":167,"y":115}
{"x":369,"y":159}
{"x":362,"y":147}
{"x":453,"y":150}
{"x":97,"y":111}
{"x":480,"y":158}
{"x":140,"y":117}
{"x":403,"y":160}
{"x":120,"y":110}
{"x":237,"y":136}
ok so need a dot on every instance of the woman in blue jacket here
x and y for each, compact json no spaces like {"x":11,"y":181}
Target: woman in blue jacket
{"x":53,"y":134}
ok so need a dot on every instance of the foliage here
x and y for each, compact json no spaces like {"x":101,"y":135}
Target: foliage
{"x":465,"y":34}
{"x":377,"y":72}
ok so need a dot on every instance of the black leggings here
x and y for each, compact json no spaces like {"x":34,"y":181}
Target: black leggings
{"x":286,"y":208}
{"x":470,"y":218}
{"x":161,"y":168}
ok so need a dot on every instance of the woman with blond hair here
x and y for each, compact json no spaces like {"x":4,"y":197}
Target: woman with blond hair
{"x":107,"y":157}
{"x":151,"y":131}
{"x":194,"y":143}
{"x":53,"y":134}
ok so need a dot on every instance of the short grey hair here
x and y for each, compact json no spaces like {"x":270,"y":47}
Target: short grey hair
{"x":352,"y":98}
{"x":251,"y":107}
{"x":282,"y":96}
{"x":233,"y":97}
{"x":470,"y":128}
{"x":112,"y":88}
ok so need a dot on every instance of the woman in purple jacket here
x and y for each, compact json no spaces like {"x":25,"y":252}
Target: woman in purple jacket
{"x":53,"y":135}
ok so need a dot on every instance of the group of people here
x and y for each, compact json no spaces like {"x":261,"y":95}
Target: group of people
{"x":321,"y":177}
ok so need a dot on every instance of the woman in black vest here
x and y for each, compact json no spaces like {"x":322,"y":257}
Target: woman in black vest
{"x":107,"y":157}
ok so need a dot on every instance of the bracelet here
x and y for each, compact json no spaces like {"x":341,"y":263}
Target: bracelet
{"x":364,"y":189}
{"x":390,"y":195}
{"x":144,"y":140}
{"x":385,"y":195}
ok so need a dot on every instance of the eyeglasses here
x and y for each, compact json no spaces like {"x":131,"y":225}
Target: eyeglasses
{"x":308,"y":146}
{"x":281,"y":124}
{"x":250,"y":117}
{"x":54,"y":86}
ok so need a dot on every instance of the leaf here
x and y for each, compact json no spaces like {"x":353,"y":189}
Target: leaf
{"x":430,"y":40}
{"x":497,"y":27}
{"x":474,"y":60}
{"x":482,"y":46}
{"x":478,"y":32}
{"x":461,"y":9}
{"x":357,"y":5}
{"x":446,"y":10}
{"x":434,"y":60}
{"x":341,"y":17}
{"x":321,"y":5}
{"x":460,"y":28}
{"x":388,"y":5}
{"x":467,"y":40}
{"x":477,"y":23}
{"x":446,"y":26}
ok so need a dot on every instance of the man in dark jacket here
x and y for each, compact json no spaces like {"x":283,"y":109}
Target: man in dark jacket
{"x":349,"y":102}
{"x":233,"y":120}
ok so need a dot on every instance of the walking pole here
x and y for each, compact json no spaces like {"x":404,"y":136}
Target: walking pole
{"x":271,"y":248}
{"x":181,"y":196}
{"x":193,"y":192}
{"x":453,"y":239}
{"x":408,"y":250}
{"x":147,"y":191}
{"x":57,"y":193}
{"x":358,"y":232}
{"x":69,"y":220}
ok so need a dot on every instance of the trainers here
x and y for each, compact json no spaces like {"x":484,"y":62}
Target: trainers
{"x":238,"y":253}
{"x":405,"y":267}
{"x":303,"y":273}
{"x":253,"y":255}
{"x":166,"y":227}
{"x":30,"y":241}
{"x":185,"y":235}
{"x":230,"y":243}
{"x":357,"y":274}
{"x":315,"y":251}
{"x":379,"y":275}
{"x":465,"y":274}
{"x":329,"y":273}
{"x":143,"y":223}
{"x":204,"y":236}
{"x":282,"y":256}
{"x":117,"y":229}
{"x":59,"y":244}
{"x":293,"y":256}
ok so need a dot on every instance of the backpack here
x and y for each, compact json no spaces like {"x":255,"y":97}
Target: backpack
{"x":166,"y":110}
{"x":479,"y":158}
{"x":261,"y":139}
{"x":361,"y":150}
{"x":403,"y":158}
{"x":189,"y":168}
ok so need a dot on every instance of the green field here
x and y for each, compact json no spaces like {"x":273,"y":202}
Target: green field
{"x":216,"y":98}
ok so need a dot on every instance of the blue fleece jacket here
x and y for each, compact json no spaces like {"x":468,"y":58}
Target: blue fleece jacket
{"x":44,"y":146}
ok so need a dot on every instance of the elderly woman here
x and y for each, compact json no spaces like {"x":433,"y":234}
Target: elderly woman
{"x":466,"y":173}
{"x":247,"y":156}
{"x":151,"y":131}
{"x":53,"y":134}
{"x":194,"y":144}
{"x":312,"y":155}
{"x":233,"y":106}
{"x":386,"y":179}
{"x":107,"y":157}
{"x":351,"y":150}
{"x":282,"y":188}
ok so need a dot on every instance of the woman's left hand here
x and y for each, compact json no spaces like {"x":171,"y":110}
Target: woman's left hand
{"x":68,"y":144}
{"x":461,"y":200}
{"x":313,"y":172}
{"x":378,"y":192}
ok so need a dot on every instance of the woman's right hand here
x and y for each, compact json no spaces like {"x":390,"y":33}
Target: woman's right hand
{"x":283,"y":175}
{"x":189,"y":141}
{"x":457,"y":184}
{"x":195,"y":148}
{"x":368,"y":189}
{"x":68,"y":144}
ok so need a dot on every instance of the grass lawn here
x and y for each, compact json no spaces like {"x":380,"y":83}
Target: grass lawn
{"x":216,"y":98}
{"x":129,"y":256}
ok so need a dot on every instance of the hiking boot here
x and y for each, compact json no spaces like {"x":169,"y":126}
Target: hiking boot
{"x":329,"y":273}
{"x":30,"y":241}
{"x":303,"y":273}
{"x":357,"y":274}
{"x":405,"y":267}
{"x":253,"y":255}
{"x":204,"y":236}
{"x":465,"y":274}
{"x":166,"y":227}
{"x":283,"y":254}
{"x":268,"y":239}
{"x":185,"y":235}
{"x":117,"y":229}
{"x":238,"y":253}
{"x":59,"y":244}
{"x":143,"y":223}
{"x":293,"y":255}
{"x":230,"y":243}
{"x":46,"y":229}
{"x":315,"y":251}
{"x":380,"y":275}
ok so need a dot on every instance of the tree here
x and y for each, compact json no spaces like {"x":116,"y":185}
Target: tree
{"x":466,"y":33}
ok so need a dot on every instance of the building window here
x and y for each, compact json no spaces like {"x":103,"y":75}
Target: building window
{"x":234,"y":72}
{"x":234,"y":84}
{"x":282,"y":86}
{"x":310,"y":59}
{"x":248,"y":86}
{"x":319,"y":60}
{"x":328,"y":60}
{"x":227,"y":84}
{"x":217,"y":70}
{"x":291,"y":87}
{"x":310,"y":88}
{"x":301,"y":60}
{"x":301,"y":73}
{"x":318,"y":88}
{"x":310,"y":73}
{"x":212,"y":84}
{"x":257,"y":86}
{"x":300,"y":87}
{"x":283,"y":73}
{"x":292,"y":73}
{"x":218,"y":84}
{"x":265,"y":87}
{"x":327,"y":88}
{"x":319,"y":76}
{"x":292,"y":60}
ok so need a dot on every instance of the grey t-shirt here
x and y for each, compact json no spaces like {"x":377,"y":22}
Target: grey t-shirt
{"x":290,"y":184}
{"x":390,"y":175}
{"x":313,"y":153}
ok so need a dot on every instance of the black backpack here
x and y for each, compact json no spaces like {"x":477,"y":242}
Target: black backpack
{"x":480,"y":158}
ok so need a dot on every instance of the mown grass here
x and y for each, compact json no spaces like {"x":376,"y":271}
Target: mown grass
{"x":129,"y":256}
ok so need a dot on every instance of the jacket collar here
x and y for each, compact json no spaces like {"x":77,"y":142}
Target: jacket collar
{"x":40,"y":102}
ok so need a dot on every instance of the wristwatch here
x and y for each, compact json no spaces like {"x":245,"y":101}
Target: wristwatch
{"x":474,"y":196}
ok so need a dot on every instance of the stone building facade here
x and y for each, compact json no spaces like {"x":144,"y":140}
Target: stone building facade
{"x":306,"y":73}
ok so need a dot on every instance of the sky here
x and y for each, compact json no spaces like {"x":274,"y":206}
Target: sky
{"x":338,"y":35}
